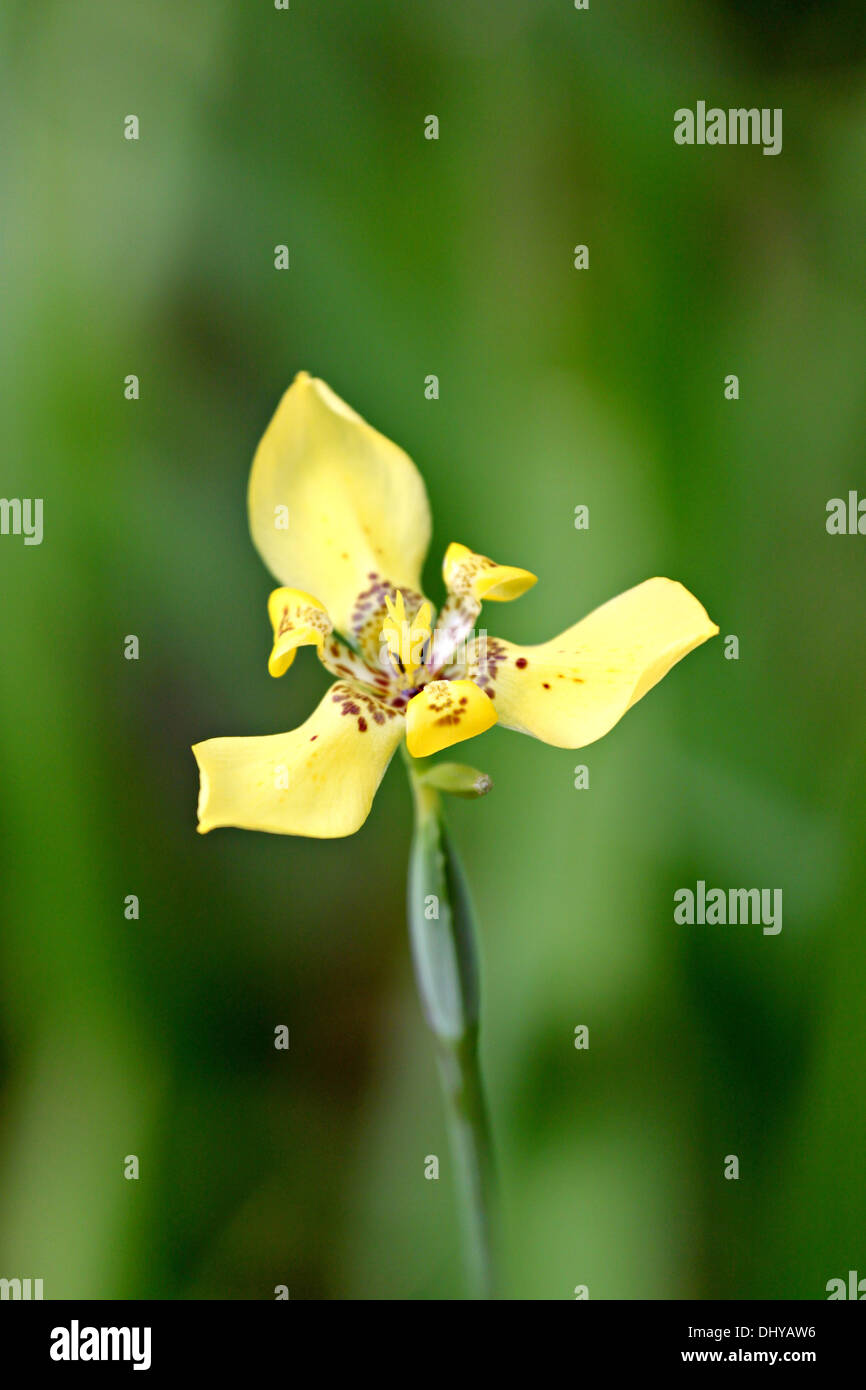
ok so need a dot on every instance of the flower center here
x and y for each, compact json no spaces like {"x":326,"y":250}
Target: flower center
{"x":407,"y":642}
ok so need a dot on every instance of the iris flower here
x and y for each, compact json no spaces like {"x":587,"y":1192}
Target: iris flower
{"x":340,"y":516}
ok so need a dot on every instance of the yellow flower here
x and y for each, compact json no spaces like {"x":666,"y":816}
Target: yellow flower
{"x":341,"y":518}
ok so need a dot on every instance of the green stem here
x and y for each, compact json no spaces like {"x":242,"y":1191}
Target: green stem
{"x":444,"y":952}
{"x":469,"y":1130}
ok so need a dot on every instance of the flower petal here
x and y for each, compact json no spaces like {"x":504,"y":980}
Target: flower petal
{"x":318,"y":780}
{"x":471,"y":579}
{"x":571,"y":690}
{"x":444,"y":713}
{"x":298,"y":620}
{"x":333,"y":503}
{"x":470,"y":575}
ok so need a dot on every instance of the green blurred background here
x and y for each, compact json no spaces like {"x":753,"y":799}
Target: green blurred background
{"x":558,"y":387}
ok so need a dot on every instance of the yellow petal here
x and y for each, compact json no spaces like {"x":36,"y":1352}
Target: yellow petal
{"x":446,"y":712}
{"x":319,"y":780}
{"x":333,"y":504}
{"x":573,"y":689}
{"x":476,"y":576}
{"x":298,"y":620}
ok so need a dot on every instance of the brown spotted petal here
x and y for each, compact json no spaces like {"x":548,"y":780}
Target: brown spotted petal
{"x":318,"y":780}
{"x":471,"y":579}
{"x":445,"y":713}
{"x":571,"y":690}
{"x":470,"y":575}
{"x":298,"y":620}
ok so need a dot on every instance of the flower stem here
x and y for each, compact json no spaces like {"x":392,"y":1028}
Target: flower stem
{"x":444,"y":952}
{"x":466,"y":1111}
